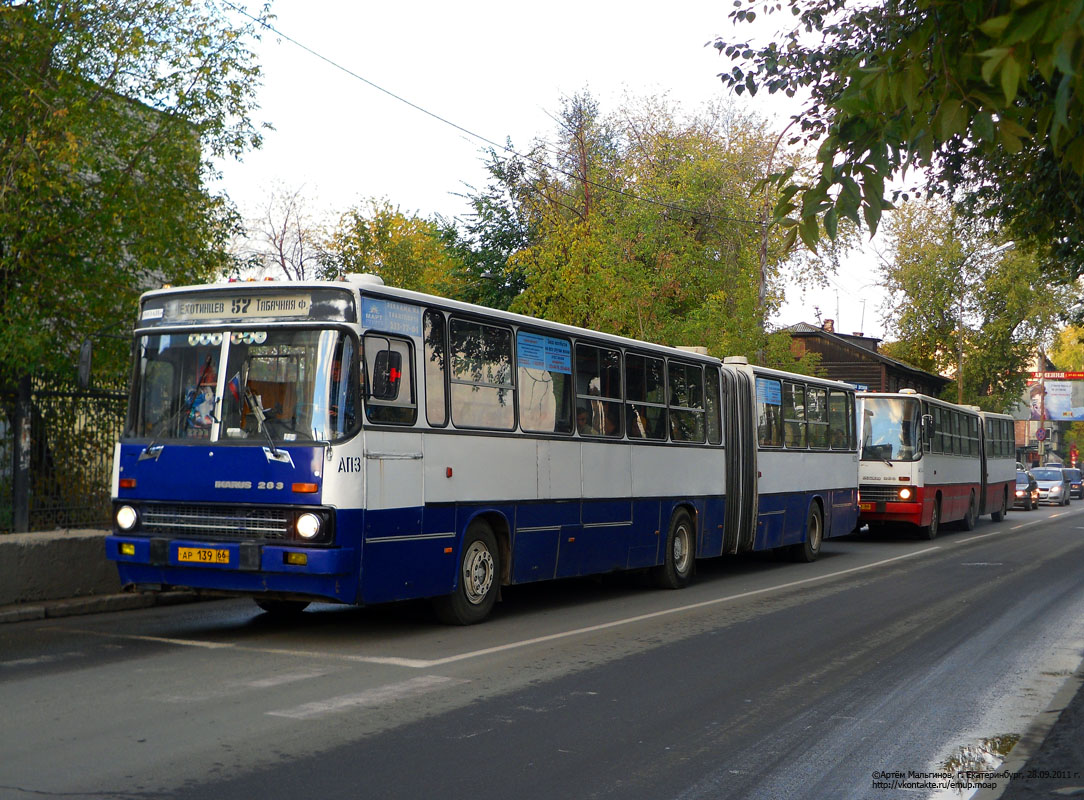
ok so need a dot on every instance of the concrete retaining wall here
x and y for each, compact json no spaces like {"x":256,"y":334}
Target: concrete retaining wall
{"x":55,"y":565}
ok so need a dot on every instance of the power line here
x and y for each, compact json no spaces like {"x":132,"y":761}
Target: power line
{"x":479,"y":137}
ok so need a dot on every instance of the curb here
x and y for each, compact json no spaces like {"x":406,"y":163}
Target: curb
{"x":97,"y":604}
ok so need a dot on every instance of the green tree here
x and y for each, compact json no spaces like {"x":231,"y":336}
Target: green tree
{"x":1067,"y":349}
{"x":405,"y":251}
{"x":111,"y":115}
{"x":642,"y":223}
{"x":966,"y":303}
{"x":984,"y":97}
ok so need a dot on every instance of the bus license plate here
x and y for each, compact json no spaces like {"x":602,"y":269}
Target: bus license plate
{"x":866,"y":507}
{"x":203,"y":555}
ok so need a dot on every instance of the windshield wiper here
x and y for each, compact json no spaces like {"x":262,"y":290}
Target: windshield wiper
{"x":261,"y":423}
{"x":867,"y":456}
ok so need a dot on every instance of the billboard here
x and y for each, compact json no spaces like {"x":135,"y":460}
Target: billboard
{"x":1057,"y":396}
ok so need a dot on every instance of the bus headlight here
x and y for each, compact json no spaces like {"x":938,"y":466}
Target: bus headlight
{"x":905,"y":493}
{"x":126,"y":518}
{"x":308,"y":526}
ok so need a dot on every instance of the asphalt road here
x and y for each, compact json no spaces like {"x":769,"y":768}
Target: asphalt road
{"x":762,"y":680}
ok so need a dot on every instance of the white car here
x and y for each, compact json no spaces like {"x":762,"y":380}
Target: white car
{"x":1053,"y":485}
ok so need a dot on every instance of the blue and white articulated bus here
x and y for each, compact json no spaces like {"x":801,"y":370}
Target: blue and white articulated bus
{"x":350,"y":442}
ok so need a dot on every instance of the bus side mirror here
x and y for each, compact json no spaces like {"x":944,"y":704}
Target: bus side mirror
{"x":387,"y":372}
{"x":927,"y":428}
{"x":85,"y":356}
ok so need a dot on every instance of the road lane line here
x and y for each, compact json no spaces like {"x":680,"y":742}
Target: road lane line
{"x":393,"y":661}
{"x":668,"y":611}
{"x":381,"y":695}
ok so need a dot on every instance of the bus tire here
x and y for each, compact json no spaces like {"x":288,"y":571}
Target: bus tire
{"x":281,"y":608}
{"x":930,"y":531}
{"x":479,"y":579}
{"x":676,"y":570}
{"x":968,"y":522}
{"x":999,"y":515}
{"x":806,"y":552}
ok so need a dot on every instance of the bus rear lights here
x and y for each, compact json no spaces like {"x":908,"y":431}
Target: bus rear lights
{"x":308,"y":526}
{"x":126,"y":518}
{"x":305,"y":488}
{"x":127,"y":549}
{"x":295,"y":559}
{"x":127,"y":483}
{"x":906,"y":493}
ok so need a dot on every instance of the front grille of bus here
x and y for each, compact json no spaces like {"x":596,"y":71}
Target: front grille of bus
{"x":216,"y":522}
{"x":875,"y":493}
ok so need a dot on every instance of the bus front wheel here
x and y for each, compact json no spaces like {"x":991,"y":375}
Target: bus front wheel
{"x":479,"y":579}
{"x":676,"y":570}
{"x":999,"y":515}
{"x":930,"y":531}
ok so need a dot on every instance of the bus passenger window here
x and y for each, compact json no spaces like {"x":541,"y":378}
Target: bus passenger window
{"x":545,"y":383}
{"x":645,"y":395}
{"x":686,"y":402}
{"x":436,"y":409}
{"x":598,"y":391}
{"x":769,"y":413}
{"x":794,"y":425}
{"x":482,"y":392}
{"x":840,"y":420}
{"x":817,"y":417}
{"x":713,"y":405}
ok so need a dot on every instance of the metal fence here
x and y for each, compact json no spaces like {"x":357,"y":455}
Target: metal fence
{"x":71,"y":451}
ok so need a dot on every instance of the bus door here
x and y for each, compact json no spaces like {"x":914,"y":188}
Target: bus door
{"x":393,"y":448}
{"x":739,"y":436}
{"x":984,"y":471}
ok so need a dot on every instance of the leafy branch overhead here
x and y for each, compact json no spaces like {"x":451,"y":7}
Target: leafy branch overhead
{"x":983,"y":96}
{"x":112,"y":114}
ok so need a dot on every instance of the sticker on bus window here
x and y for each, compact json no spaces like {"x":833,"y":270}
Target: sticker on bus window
{"x":391,"y":317}
{"x":543,"y":353}
{"x":769,"y":392}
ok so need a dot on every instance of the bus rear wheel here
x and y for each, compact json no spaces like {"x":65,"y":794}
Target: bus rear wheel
{"x":999,"y":515}
{"x":479,"y":579}
{"x":968,"y":522}
{"x":807,"y":551}
{"x":677,"y":568}
{"x":282,"y":608}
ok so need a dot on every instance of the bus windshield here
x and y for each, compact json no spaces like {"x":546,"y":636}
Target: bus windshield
{"x":890,"y":429}
{"x":291,"y":385}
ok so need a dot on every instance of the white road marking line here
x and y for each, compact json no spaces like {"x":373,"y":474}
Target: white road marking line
{"x":27,"y":662}
{"x":666,"y":612}
{"x":274,"y":651}
{"x":230,"y":688}
{"x":381,"y":695}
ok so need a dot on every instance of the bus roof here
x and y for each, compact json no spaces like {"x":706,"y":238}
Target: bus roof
{"x":366,"y":285}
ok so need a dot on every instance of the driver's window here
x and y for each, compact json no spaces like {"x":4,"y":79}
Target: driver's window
{"x":389,"y":381}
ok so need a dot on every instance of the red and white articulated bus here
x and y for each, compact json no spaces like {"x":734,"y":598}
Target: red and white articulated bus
{"x":925,"y":462}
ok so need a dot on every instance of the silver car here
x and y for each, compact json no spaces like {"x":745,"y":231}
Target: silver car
{"x":1053,"y":485}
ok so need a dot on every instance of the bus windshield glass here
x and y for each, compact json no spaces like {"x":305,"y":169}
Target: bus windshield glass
{"x":292,"y":385}
{"x":890,"y":429}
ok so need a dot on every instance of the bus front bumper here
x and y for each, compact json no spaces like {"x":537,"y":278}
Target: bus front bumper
{"x":243,"y":567}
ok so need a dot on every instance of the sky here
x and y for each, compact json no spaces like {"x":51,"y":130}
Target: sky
{"x":470,"y":72}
